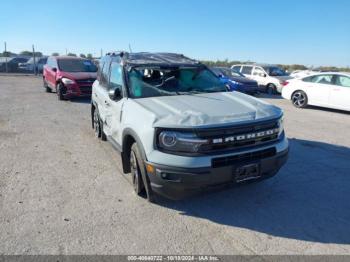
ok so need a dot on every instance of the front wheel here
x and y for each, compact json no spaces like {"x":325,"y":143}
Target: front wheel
{"x":299,"y":99}
{"x":139,"y":175}
{"x":61,"y":91}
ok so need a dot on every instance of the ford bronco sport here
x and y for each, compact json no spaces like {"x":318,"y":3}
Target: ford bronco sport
{"x":178,"y":129}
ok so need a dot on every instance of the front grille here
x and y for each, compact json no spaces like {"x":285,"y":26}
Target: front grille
{"x":241,"y":131}
{"x":241,"y":158}
{"x":85,"y":89}
{"x":87,"y":81}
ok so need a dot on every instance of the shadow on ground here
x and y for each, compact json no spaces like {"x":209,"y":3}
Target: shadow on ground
{"x":327,"y":110}
{"x":81,"y":100}
{"x":308,"y":200}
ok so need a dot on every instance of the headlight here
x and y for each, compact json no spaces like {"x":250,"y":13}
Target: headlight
{"x":280,"y":126}
{"x":67,"y":81}
{"x":180,"y":142}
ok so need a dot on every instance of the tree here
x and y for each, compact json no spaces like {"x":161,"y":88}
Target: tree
{"x":29,"y":53}
{"x":71,"y":54}
{"x":55,"y":54}
{"x":82,"y":56}
{"x":89,"y":56}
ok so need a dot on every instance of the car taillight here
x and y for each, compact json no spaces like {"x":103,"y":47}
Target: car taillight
{"x":284,"y":83}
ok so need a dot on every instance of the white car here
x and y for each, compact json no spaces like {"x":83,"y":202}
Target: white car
{"x":302,"y":73}
{"x":270,"y":76}
{"x":328,"y":89}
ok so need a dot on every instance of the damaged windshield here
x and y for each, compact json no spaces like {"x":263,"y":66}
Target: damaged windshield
{"x":161,"y":81}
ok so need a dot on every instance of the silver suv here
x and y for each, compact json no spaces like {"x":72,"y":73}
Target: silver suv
{"x":178,"y":129}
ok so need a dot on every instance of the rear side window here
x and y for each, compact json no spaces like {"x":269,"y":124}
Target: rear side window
{"x":342,"y":81}
{"x":247,"y":70}
{"x":322,"y":79}
{"x":237,"y":68}
{"x":105,"y":73}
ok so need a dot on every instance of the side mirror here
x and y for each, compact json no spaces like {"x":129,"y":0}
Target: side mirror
{"x":54,"y":69}
{"x":115,"y":94}
{"x":221,"y":75}
{"x":263,"y":75}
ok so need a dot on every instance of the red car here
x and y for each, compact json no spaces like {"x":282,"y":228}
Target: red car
{"x":69,"y":76}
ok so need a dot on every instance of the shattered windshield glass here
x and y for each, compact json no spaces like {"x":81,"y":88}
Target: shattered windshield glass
{"x":164,"y":81}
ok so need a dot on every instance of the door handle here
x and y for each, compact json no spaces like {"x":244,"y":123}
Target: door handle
{"x":106,"y":103}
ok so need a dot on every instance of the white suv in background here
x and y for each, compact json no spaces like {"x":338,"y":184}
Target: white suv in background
{"x":270,"y":76}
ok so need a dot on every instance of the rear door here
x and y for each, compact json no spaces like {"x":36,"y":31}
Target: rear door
{"x":340,"y":92}
{"x":101,"y":88}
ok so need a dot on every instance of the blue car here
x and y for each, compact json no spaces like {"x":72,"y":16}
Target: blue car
{"x":236,"y":81}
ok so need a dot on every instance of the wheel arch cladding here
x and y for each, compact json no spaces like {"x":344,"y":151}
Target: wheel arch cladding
{"x":130,"y":137}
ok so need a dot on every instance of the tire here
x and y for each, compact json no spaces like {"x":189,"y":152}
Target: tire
{"x":299,"y":99}
{"x":140,"y":181}
{"x":47,"y":88}
{"x":61,"y":90}
{"x":98,"y":126}
{"x":271,"y":89}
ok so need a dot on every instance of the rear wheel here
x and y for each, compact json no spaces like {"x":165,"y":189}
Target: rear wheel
{"x":299,"y":99}
{"x":271,"y":89}
{"x":98,"y":126}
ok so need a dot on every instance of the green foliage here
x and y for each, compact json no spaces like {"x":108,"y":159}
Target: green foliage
{"x":89,"y":56}
{"x":29,"y":53}
{"x":82,"y":56}
{"x":71,"y":54}
{"x":55,"y":54}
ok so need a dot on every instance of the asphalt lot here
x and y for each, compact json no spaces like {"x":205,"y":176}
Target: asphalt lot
{"x":62,"y":191}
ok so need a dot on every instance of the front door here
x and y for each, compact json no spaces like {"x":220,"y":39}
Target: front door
{"x":113,"y":107}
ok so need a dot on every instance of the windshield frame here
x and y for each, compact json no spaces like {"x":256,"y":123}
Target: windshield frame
{"x":76,"y":60}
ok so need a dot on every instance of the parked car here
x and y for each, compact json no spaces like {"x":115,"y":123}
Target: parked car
{"x":29,"y":65}
{"x":177,"y":127}
{"x":12,"y":63}
{"x":69,"y":76}
{"x":302,"y":73}
{"x":236,"y":81}
{"x":329,"y":89}
{"x":271,"y":77}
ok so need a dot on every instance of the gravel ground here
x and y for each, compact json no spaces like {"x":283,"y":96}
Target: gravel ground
{"x":62,"y":191}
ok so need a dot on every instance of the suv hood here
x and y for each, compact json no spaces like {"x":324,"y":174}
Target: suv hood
{"x":78,"y":75}
{"x":207,"y":110}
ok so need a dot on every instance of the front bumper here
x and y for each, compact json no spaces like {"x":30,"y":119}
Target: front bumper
{"x":179,"y":182}
{"x":78,"y":91}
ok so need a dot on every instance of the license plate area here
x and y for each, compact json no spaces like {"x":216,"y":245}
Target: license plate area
{"x":247,"y":172}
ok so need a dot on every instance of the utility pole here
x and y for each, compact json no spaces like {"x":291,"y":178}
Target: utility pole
{"x":101,"y":53}
{"x":66,"y":51}
{"x":6,"y":59}
{"x":34,"y":63}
